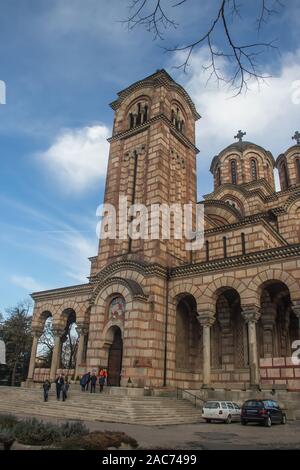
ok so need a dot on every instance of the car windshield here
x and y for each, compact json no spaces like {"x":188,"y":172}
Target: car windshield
{"x":212,"y":404}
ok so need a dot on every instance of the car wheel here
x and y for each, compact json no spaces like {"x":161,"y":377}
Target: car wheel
{"x":283,"y":421}
{"x":268,"y":422}
{"x":244,"y":422}
{"x":208,"y":420}
{"x":228,"y":420}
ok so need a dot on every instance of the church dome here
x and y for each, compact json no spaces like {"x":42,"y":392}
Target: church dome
{"x":242,"y":162}
{"x":288,"y":164}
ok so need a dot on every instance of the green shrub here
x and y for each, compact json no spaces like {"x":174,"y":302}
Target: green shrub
{"x":70,"y":429}
{"x":6,"y":438}
{"x":8,"y":421}
{"x":34,"y":432}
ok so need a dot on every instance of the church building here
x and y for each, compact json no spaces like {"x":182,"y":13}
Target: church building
{"x":158,"y":315}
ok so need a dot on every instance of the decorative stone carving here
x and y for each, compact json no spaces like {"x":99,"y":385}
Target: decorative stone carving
{"x":251,"y":313}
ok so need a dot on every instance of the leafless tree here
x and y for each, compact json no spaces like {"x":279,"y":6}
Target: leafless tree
{"x":155,"y":16}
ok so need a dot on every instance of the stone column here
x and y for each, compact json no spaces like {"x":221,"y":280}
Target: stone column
{"x":82,"y":331}
{"x":251,"y":315}
{"x":56,"y":352}
{"x":36,"y":335}
{"x":206,"y":320}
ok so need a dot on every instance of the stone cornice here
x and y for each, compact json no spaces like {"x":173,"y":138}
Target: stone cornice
{"x":80,"y":289}
{"x":258,"y":257}
{"x":247,"y":189}
{"x":142,"y":127}
{"x":249,"y":220}
{"x":144,"y":268}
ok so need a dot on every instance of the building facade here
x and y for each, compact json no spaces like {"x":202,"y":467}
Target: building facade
{"x":226,"y":315}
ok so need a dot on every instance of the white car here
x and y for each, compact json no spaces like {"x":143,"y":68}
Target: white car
{"x":225,"y":411}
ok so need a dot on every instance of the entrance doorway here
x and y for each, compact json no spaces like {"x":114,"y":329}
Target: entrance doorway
{"x":115,"y":359}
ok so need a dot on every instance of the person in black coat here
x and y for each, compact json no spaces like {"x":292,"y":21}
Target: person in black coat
{"x":93,"y":382}
{"x":46,"y":387}
{"x":59,"y":384}
{"x":65,"y":389}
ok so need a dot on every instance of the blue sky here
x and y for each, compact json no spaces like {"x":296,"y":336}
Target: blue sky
{"x":63,"y":61}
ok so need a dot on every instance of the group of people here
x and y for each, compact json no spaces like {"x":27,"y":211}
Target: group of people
{"x":62,"y":387}
{"x":89,"y":380}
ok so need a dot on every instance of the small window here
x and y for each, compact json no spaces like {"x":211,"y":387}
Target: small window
{"x":224,"y":405}
{"x":233,"y":172}
{"x":253,"y":169}
{"x":298,"y":168}
{"x":207,"y":250}
{"x":225,"y":247}
{"x":230,"y":405}
{"x":285,"y":180}
{"x":219,"y":182}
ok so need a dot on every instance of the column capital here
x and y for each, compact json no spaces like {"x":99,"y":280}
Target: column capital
{"x":82,"y":329}
{"x":296,"y":308}
{"x":36,"y":331}
{"x":58,"y":331}
{"x":251,"y":313}
{"x":206,"y":319}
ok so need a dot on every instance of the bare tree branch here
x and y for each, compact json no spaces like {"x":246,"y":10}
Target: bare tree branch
{"x":241,"y":57}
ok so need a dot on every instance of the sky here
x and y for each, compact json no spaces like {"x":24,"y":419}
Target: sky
{"x":63,"y":62}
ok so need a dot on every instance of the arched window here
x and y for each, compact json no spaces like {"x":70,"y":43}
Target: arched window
{"x":284,"y":173}
{"x":243,"y":243}
{"x":207,"y":250}
{"x":233,"y":171}
{"x":177,"y":119}
{"x":225,"y":247}
{"x":253,"y":169}
{"x":219,"y":176}
{"x":116,"y":308}
{"x":298,"y":168}
{"x":138,"y":114}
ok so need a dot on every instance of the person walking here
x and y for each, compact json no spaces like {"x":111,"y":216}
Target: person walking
{"x":82,"y":383}
{"x":87,"y":381}
{"x":59,"y":384}
{"x":101,"y":380}
{"x":65,"y":389}
{"x":93,"y":382}
{"x":46,"y":388}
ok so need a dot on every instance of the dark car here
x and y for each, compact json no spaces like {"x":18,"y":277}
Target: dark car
{"x":264,"y":412}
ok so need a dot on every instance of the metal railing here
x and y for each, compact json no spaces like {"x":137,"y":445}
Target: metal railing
{"x":181,"y":391}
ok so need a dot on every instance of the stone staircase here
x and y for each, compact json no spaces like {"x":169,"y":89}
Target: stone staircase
{"x":107,"y":407}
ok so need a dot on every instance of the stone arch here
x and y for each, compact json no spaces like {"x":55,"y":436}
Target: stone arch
{"x":292,"y":204}
{"x":129,"y":269}
{"x":210,"y":295}
{"x":257,"y":283}
{"x":127,"y":287}
{"x":228,"y":191}
{"x":108,"y":332}
{"x":178,"y":291}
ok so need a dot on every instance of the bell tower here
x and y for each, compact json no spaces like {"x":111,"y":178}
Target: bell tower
{"x":151,"y":162}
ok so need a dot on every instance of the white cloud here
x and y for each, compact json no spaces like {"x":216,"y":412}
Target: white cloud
{"x":78,"y":157}
{"x":268,"y":114}
{"x":27,"y":283}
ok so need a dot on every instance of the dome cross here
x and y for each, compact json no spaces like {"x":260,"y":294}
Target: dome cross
{"x":240,"y":135}
{"x":296,"y":137}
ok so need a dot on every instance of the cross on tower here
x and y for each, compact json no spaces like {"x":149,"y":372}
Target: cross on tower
{"x":296,"y":137}
{"x":240,"y":135}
